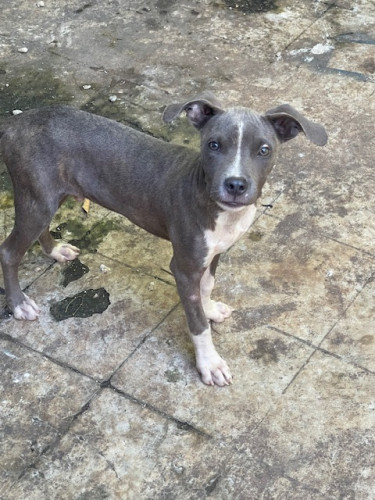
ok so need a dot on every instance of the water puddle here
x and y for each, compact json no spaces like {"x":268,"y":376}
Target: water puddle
{"x":73,"y":271}
{"x":252,"y":6}
{"x":81,"y":305}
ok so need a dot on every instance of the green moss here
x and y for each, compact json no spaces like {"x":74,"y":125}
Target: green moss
{"x":32,"y":88}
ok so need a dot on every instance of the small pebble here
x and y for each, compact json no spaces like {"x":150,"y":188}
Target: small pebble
{"x":40,"y":4}
{"x":179,"y":469}
{"x":23,"y":50}
{"x":16,"y":112}
{"x":113,"y":98}
{"x":86,"y":87}
{"x":103,"y":268}
{"x":151,"y":285}
{"x":321,"y":48}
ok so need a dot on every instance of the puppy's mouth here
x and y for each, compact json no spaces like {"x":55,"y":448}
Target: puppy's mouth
{"x":231,"y":205}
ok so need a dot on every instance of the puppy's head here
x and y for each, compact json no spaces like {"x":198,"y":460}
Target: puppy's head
{"x":239,"y":147}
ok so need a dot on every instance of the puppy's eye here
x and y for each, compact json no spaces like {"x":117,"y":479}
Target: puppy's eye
{"x":264,"y":150}
{"x":214,"y":146}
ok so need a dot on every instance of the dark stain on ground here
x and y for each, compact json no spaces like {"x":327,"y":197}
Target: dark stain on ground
{"x":33,"y":88}
{"x":6,"y":189}
{"x":100,"y":105}
{"x":334,"y":295}
{"x":212,"y":483}
{"x":268,"y":350}
{"x":339,"y":338}
{"x":352,"y":37}
{"x":153,"y":24}
{"x":5,"y":181}
{"x":88,"y":240}
{"x":6,"y":199}
{"x":255,"y":235}
{"x":172,"y":375}
{"x":84,"y":7}
{"x":6,"y":313}
{"x":321,"y":63}
{"x":258,"y":316}
{"x":288,"y":226}
{"x":127,"y":115}
{"x":126,"y":85}
{"x":70,"y":226}
{"x":368,"y":65}
{"x":81,"y":305}
{"x":99,"y":492}
{"x":73,"y":271}
{"x":164,"y":5}
{"x":252,"y":6}
{"x":92,"y":239}
{"x":367,"y":340}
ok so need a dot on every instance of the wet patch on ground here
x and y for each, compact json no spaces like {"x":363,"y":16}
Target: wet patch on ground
{"x":268,"y":350}
{"x":84,"y":239}
{"x":6,"y":200}
{"x":6,"y":188}
{"x":348,"y":55}
{"x":81,"y":305}
{"x":32,"y":88}
{"x":173,"y":376}
{"x":71,"y":226}
{"x":255,"y":235}
{"x":73,"y":271}
{"x":252,"y":6}
{"x":116,"y":110}
{"x":254,"y":317}
{"x":126,"y":113}
{"x":5,"y":181}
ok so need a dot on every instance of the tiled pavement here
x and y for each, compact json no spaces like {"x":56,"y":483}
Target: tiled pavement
{"x":110,"y":406}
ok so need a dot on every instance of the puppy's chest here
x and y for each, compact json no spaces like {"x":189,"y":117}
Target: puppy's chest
{"x":230,"y":226}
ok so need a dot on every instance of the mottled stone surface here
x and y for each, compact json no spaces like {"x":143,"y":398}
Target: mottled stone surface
{"x":110,"y":406}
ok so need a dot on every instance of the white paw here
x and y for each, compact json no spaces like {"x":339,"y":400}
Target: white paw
{"x":214,"y":370}
{"x":217,"y":311}
{"x":27,"y":310}
{"x":62,"y":252}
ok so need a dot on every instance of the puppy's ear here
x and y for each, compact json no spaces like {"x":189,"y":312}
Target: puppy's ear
{"x":288,"y":122}
{"x":198,"y":110}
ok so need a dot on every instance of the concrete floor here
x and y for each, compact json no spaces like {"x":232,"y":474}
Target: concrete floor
{"x":110,"y":406}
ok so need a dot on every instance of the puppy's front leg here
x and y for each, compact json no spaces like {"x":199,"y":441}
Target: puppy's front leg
{"x":211,"y":367}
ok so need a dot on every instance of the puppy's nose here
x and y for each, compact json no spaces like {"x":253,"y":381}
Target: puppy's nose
{"x":236,"y":186}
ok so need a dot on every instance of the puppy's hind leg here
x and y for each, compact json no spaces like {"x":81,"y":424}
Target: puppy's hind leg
{"x":30,"y":221}
{"x":58,"y":250}
{"x":215,"y":311}
{"x":11,"y":253}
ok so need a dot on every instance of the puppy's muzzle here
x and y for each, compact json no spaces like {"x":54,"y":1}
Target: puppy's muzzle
{"x":235,"y":193}
{"x":236,"y":186}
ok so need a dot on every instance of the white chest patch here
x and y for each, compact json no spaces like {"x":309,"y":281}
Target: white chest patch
{"x":230,"y":226}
